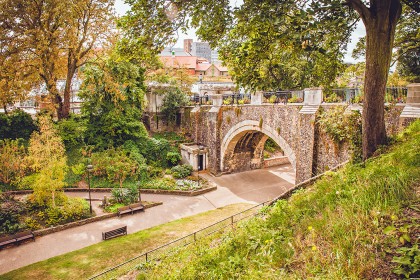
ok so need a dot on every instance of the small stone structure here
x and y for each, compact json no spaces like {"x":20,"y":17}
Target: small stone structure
{"x":412,"y":110}
{"x":195,"y":155}
{"x":313,"y":96}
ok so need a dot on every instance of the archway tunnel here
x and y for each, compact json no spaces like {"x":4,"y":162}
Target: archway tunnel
{"x":246,"y":151}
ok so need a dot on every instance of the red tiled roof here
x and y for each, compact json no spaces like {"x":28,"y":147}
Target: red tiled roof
{"x":221,"y":68}
{"x":189,"y":62}
{"x":203,"y":66}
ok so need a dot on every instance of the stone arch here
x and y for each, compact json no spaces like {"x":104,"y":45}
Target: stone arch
{"x":245,"y":132}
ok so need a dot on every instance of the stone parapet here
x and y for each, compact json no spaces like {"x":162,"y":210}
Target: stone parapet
{"x":413,"y":94}
{"x":257,"y":98}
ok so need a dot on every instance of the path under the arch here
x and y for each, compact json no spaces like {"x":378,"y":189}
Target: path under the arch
{"x":258,"y":185}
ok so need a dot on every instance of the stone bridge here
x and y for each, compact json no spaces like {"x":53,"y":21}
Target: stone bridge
{"x":234,"y":135}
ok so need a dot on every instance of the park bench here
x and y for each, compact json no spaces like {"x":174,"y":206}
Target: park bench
{"x":130,"y":208}
{"x":17,"y":238}
{"x":114,"y":233}
{"x":136,"y":207}
{"x":124,"y":210}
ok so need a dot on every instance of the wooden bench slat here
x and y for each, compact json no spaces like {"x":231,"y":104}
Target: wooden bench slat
{"x":16,"y":238}
{"x":7,"y":241}
{"x":136,"y":206}
{"x":114,"y":233}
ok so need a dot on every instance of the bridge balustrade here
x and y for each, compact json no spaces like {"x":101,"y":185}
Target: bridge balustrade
{"x":236,"y":98}
{"x":337,"y":95}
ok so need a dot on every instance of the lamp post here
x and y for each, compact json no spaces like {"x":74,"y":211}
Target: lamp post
{"x":89,"y":169}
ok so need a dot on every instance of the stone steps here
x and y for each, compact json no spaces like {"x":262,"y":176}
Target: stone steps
{"x":309,"y":109}
{"x":411,"y":111}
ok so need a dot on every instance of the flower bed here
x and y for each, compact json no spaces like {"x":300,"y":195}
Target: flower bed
{"x":172,"y":184}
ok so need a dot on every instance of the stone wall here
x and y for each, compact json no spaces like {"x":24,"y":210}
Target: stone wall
{"x":276,"y":161}
{"x":293,"y":127}
{"x":392,"y":117}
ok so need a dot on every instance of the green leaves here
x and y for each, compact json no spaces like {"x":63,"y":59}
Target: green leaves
{"x":174,"y":99}
{"x":113,"y":94}
{"x":408,"y":261}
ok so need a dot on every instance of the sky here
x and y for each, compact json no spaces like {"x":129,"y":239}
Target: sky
{"x":121,"y":8}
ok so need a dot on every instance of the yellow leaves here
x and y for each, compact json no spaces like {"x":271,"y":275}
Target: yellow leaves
{"x":45,"y":146}
{"x":47,"y":158}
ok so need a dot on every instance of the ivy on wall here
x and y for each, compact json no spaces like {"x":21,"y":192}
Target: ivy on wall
{"x":343,"y":127}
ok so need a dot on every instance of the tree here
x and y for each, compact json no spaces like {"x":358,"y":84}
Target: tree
{"x":12,"y":155}
{"x":380,"y":18}
{"x":54,"y":38}
{"x":116,"y":164}
{"x":18,"y":124}
{"x":173,"y":100}
{"x":281,"y":57}
{"x":113,"y":100}
{"x":47,"y":159}
{"x":16,"y":79}
{"x":406,"y":51}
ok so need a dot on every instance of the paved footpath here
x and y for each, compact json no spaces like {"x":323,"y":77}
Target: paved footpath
{"x":247,"y":187}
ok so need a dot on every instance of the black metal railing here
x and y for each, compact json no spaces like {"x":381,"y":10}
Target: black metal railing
{"x":337,"y":95}
{"x":341,"y":95}
{"x":236,"y":98}
{"x":284,"y":96}
{"x":396,"y":94}
{"x":171,"y":247}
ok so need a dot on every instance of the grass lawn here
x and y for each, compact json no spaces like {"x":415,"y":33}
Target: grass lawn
{"x":91,"y":260}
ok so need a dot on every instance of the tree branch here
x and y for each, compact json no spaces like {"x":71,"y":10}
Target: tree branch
{"x":360,"y":8}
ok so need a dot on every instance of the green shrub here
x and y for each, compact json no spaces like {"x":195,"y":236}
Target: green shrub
{"x":70,"y":209}
{"x":115,"y":165}
{"x":173,"y":157}
{"x":10,"y":212}
{"x":155,"y":151}
{"x":181,"y":171}
{"x":126,"y":195}
{"x":408,"y":261}
{"x":228,"y":101}
{"x":295,"y":99}
{"x":12,"y":161}
{"x":154,"y":172}
{"x":272,"y":99}
{"x":72,"y":130}
{"x":332,"y":98}
{"x":159,"y":184}
{"x":173,"y":100}
{"x":32,"y":223}
{"x":17,"y":124}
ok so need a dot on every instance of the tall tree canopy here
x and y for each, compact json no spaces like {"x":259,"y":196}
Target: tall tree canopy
{"x":260,"y":36}
{"x":113,"y":99}
{"x":54,"y":38}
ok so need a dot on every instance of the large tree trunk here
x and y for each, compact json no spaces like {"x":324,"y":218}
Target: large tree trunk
{"x":71,"y":70}
{"x":380,"y":20}
{"x":55,"y":96}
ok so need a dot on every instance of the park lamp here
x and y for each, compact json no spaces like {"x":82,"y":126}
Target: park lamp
{"x":89,"y":169}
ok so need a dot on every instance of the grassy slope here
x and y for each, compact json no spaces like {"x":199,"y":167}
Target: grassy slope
{"x":333,"y":230}
{"x":88,"y":261}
